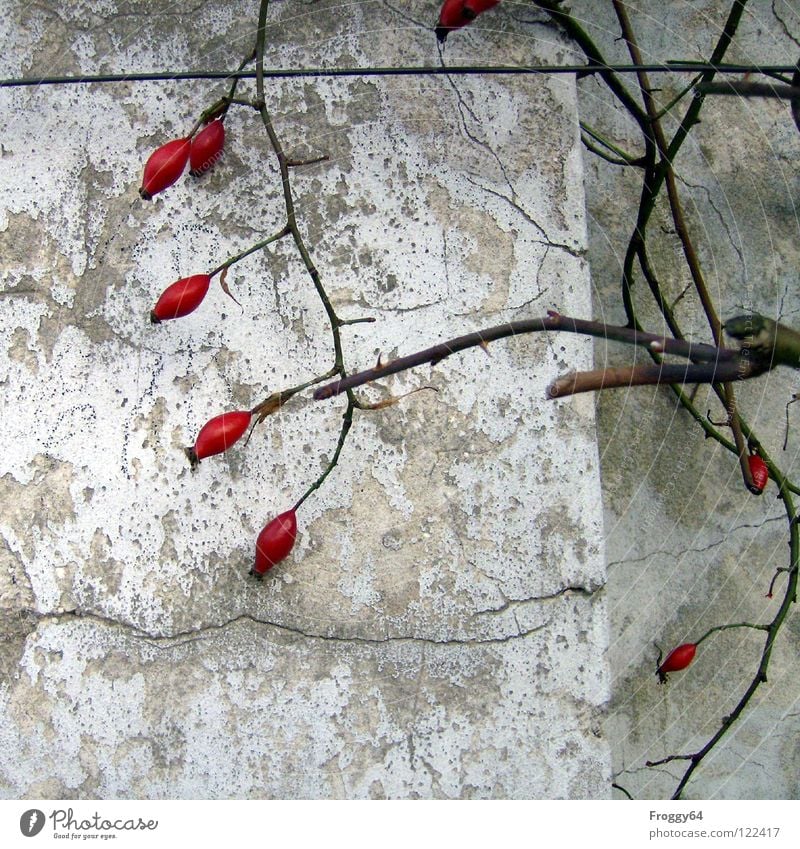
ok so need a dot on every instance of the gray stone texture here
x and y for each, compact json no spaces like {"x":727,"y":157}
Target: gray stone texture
{"x":687,"y":546}
{"x":439,"y":629}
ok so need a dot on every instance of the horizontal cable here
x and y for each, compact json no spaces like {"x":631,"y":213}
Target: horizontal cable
{"x":403,"y":71}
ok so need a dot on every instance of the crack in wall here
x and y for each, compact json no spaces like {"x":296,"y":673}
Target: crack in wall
{"x":509,"y":603}
{"x":677,"y":554}
{"x":721,"y":217}
{"x":180,"y":638}
{"x":402,"y":14}
{"x":784,"y":25}
{"x":546,"y":240}
{"x":463,"y":107}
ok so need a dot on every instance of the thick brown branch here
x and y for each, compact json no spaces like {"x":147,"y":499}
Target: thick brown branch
{"x":649,"y":375}
{"x":551,"y":322}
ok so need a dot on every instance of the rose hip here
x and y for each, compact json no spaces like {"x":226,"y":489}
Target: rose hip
{"x":164,"y":167}
{"x":759,"y":471}
{"x":180,"y":298}
{"x":218,"y":434}
{"x":455,"y":14}
{"x":206,"y":148}
{"x":677,"y":659}
{"x":275,"y":542}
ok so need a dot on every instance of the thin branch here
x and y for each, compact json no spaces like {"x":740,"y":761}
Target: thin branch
{"x":627,"y":158}
{"x":622,"y":790}
{"x":649,"y":375}
{"x":296,"y":163}
{"x":284,"y":163}
{"x":716,"y":628}
{"x":347,"y":421}
{"x":252,"y":249}
{"x":666,"y":173}
{"x":598,"y":151}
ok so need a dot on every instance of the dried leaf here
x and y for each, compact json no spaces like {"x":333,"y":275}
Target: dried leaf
{"x":269,"y":405}
{"x":225,"y":288}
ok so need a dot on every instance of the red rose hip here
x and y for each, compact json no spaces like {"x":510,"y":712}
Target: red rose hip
{"x":206,"y":148}
{"x":478,"y":7}
{"x":455,"y":14}
{"x":676,"y":660}
{"x":164,"y":167}
{"x":218,"y":434}
{"x":759,"y":471}
{"x":275,"y":542}
{"x":180,"y":298}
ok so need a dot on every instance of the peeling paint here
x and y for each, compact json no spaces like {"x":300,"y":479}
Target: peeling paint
{"x":436,"y":631}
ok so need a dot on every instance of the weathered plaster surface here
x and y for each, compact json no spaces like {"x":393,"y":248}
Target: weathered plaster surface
{"x":438,"y":630}
{"x":687,"y":546}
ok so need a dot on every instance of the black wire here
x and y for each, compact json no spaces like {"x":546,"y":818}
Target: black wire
{"x":403,"y":71}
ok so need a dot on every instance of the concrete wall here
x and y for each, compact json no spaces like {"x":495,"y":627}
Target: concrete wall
{"x":438,"y":630}
{"x":688,"y":547}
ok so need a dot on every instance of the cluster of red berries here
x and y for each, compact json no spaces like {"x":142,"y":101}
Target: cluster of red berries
{"x":166,"y":165}
{"x":163,"y":168}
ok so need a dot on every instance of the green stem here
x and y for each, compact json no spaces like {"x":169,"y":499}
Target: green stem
{"x":251,"y":250}
{"x":347,"y":421}
{"x":734,"y":625}
{"x":665,"y":110}
{"x":624,"y":155}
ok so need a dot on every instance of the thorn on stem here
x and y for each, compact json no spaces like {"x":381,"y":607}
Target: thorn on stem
{"x":297,"y":163}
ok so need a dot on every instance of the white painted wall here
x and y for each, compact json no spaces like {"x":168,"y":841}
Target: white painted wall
{"x":436,"y":631}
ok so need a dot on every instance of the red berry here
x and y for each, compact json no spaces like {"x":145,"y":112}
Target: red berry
{"x":477,"y":7}
{"x":275,"y":542}
{"x":206,"y":148}
{"x":759,"y":471}
{"x":455,"y":14}
{"x":218,"y":434}
{"x":164,"y":167}
{"x":181,"y":298}
{"x":678,"y":658}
